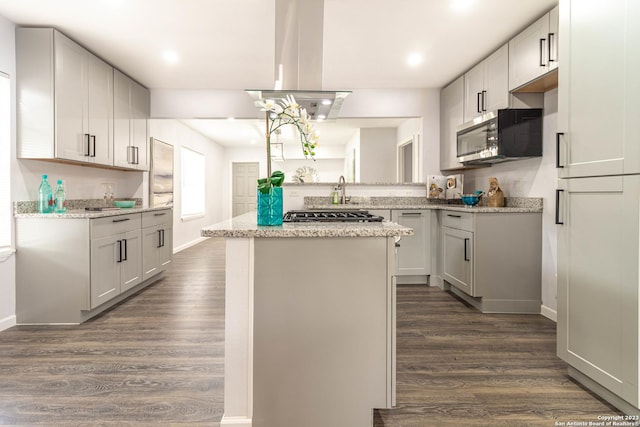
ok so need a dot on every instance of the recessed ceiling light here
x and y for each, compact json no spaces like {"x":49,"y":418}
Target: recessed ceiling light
{"x":461,"y":5}
{"x":326,"y":102}
{"x":170,"y":57}
{"x":414,"y":59}
{"x":321,"y":117}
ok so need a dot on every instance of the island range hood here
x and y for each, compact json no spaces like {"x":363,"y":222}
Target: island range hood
{"x":299,"y":60}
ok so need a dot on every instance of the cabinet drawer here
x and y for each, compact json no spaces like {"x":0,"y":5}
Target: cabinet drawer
{"x":108,"y":226}
{"x":149,"y":219}
{"x":459,"y":220}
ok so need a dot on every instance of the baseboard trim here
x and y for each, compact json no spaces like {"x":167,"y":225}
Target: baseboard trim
{"x":7,"y":322}
{"x":235,"y":421}
{"x":189,"y":244}
{"x":549,"y":313}
{"x":605,"y":394}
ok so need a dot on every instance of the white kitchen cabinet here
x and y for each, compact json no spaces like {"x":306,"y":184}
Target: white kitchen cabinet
{"x":413,"y":255}
{"x":65,"y":99}
{"x":493,"y":260}
{"x":486,"y":86}
{"x":70,"y":269}
{"x":451,"y":116}
{"x":157,"y":241}
{"x":116,"y":256}
{"x":598,"y":92}
{"x":131,"y":114}
{"x":598,"y":282}
{"x":534,"y":52}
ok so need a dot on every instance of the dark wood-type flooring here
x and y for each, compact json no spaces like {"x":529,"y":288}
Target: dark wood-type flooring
{"x":157,"y":360}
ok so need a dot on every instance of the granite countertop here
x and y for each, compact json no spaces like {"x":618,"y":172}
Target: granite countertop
{"x":245,"y":226}
{"x":513,"y":204}
{"x":76,"y":209}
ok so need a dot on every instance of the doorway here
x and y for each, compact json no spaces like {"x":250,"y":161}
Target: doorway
{"x":243,"y":184}
{"x":405,"y":162}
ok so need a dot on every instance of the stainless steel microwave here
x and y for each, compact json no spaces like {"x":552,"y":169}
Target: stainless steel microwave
{"x":501,"y":135}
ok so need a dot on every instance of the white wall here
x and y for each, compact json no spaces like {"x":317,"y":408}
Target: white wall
{"x":187,"y":232}
{"x":532,"y":178}
{"x":352,"y":153}
{"x":378,"y":154}
{"x":7,"y":267}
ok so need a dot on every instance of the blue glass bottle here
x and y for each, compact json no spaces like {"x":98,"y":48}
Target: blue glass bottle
{"x":45,"y":197}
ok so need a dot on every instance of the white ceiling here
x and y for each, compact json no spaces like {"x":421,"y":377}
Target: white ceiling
{"x":229,"y":44}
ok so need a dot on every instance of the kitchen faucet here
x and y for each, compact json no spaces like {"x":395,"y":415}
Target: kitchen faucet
{"x":342,"y":185}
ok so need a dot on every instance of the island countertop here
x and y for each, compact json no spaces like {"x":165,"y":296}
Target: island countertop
{"x":245,"y":226}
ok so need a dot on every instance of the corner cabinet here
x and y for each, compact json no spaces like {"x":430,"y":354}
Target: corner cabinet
{"x":486,"y":86}
{"x":493,"y":260}
{"x":65,"y":99}
{"x":534,"y":52}
{"x":85,"y":265}
{"x":451,"y":116}
{"x":131,"y":114}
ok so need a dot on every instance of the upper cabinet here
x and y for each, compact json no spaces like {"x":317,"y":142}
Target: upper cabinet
{"x":534,"y":52}
{"x":131,"y":113}
{"x":65,"y":99}
{"x":598,"y":90}
{"x":451,"y":116}
{"x":486,"y":86}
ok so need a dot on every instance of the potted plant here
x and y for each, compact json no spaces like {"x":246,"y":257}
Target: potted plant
{"x":279,"y":114}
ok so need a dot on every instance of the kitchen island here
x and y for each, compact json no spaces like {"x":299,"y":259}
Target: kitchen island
{"x":309,"y":322}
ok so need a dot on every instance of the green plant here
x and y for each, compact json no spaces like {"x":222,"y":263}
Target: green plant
{"x":275,"y":180}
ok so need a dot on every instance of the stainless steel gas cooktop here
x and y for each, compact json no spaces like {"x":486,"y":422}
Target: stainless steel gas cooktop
{"x":327,"y":215}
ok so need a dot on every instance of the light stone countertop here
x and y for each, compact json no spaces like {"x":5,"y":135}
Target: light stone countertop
{"x":245,"y":226}
{"x":83,"y":214}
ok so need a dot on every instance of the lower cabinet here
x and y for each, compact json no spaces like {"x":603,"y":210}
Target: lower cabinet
{"x":458,"y":258}
{"x":157,"y":242}
{"x":116,"y":256}
{"x":70,"y":269}
{"x":413,"y":253}
{"x":492,"y":260}
{"x":599,"y":284}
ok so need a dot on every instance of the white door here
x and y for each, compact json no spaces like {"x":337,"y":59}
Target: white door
{"x":244,"y":182}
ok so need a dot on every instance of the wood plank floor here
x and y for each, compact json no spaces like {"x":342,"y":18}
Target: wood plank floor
{"x":157,"y":360}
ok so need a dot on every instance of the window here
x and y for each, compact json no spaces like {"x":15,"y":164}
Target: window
{"x":193,"y":179}
{"x":5,"y":165}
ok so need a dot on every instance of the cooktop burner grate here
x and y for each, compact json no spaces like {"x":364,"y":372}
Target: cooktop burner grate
{"x":331,"y":216}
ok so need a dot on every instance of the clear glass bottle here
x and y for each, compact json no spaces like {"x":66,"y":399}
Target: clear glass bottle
{"x":60,"y":198}
{"x":45,"y":197}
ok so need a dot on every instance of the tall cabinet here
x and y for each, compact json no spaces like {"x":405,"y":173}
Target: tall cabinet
{"x":131,"y":110}
{"x":598,"y":197}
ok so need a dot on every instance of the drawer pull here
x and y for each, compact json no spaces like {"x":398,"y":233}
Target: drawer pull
{"x":411,"y":214}
{"x":454,"y":216}
{"x":159,"y":214}
{"x":121,"y":220}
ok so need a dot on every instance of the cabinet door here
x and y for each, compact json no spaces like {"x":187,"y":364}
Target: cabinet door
{"x":496,"y":80}
{"x":121,"y":120}
{"x":105,"y":270}
{"x":451,"y":116}
{"x":71,"y":101}
{"x":597,"y":97}
{"x":458,"y":258}
{"x":151,"y":244}
{"x":528,"y":57}
{"x":414,"y":253}
{"x":473,"y":87}
{"x":131,"y":265}
{"x":598,"y":280}
{"x":166,"y":250}
{"x":140,"y":110}
{"x":553,"y":58}
{"x":100,"y":110}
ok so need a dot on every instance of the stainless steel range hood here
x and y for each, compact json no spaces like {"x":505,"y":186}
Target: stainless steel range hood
{"x":299,"y":59}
